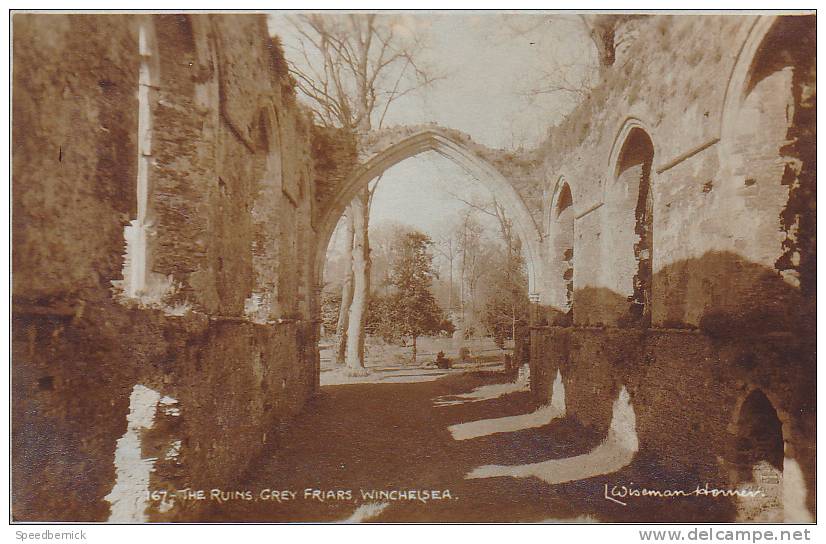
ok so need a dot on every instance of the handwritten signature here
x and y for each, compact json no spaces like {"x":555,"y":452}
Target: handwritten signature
{"x":615,"y":493}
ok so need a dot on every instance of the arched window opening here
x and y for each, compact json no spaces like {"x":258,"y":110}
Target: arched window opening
{"x":634,"y":171}
{"x":780,"y":93}
{"x":263,"y":303}
{"x":563,"y":250}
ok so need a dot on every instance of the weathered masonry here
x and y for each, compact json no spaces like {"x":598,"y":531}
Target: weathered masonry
{"x":163,"y":302}
{"x":172,"y":204}
{"x":679,"y":225}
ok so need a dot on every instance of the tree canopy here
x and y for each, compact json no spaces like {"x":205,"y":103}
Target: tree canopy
{"x":415,"y":306}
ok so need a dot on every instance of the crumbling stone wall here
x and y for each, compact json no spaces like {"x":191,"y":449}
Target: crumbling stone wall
{"x":686,"y":388}
{"x":727,"y":106}
{"x":672,"y":82}
{"x":228,"y":341}
{"x":231,"y":342}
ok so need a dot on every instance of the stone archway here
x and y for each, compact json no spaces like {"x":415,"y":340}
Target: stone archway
{"x":738,"y":81}
{"x":629,"y":198}
{"x":560,"y":234}
{"x":768,"y":144}
{"x":446,"y":143}
{"x":759,"y":457}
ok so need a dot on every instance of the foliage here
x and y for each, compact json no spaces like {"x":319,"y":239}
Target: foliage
{"x":415,"y":308}
{"x":447,"y":327}
{"x":381,"y":318}
{"x":505,"y":296}
{"x":330,"y":304}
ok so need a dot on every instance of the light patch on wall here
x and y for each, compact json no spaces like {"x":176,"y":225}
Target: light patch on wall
{"x":615,"y":452}
{"x":766,"y":506}
{"x":174,"y":451}
{"x":366,"y":511}
{"x":538,"y":418}
{"x":558,"y":394}
{"x":489,"y":392}
{"x":139,"y":283}
{"x":794,"y":494}
{"x":169,"y":406}
{"x":257,"y":308}
{"x":130,"y":492}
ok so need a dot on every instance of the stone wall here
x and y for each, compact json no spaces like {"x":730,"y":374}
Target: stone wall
{"x":714,"y":115}
{"x":189,"y":124}
{"x":686,"y":389}
{"x":168,"y":191}
{"x":721,"y":173}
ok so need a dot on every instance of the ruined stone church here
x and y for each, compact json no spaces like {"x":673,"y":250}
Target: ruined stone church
{"x":172,"y":203}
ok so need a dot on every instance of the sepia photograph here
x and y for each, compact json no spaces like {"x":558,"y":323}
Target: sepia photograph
{"x":419,"y":267}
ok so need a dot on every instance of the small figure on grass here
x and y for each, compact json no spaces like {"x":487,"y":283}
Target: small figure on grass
{"x":442,"y":361}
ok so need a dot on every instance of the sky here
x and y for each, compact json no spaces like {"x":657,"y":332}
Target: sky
{"x":489,"y":61}
{"x":420,"y":193}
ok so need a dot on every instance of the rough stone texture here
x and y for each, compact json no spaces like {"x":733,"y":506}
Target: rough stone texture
{"x":732,"y":298}
{"x":74,"y":124}
{"x":226,"y":224}
{"x":686,"y":389}
{"x":335,"y":153}
{"x":239,"y":182}
{"x":717,"y":191}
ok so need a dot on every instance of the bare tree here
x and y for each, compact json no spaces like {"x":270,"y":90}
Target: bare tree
{"x":505,"y":277}
{"x":354,"y":66}
{"x":448,"y":249}
{"x":357,"y":317}
{"x":568,"y":75}
{"x":346,"y":291}
{"x":469,"y":237}
{"x":496,"y":210}
{"x":573,"y":76}
{"x":350,"y":69}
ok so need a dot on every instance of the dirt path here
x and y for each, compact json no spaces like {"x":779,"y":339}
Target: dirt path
{"x":390,"y":436}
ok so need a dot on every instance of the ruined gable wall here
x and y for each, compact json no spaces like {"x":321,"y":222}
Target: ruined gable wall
{"x":725,"y":183}
{"x":716,"y":206}
{"x":670,"y":74}
{"x":221,"y":223}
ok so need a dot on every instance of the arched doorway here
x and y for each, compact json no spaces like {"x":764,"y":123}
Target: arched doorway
{"x":759,"y":458}
{"x":450,"y":148}
{"x":760,"y":434}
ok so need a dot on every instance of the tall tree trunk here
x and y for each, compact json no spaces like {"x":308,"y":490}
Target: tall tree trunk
{"x":450,"y":284}
{"x":414,"y":349}
{"x":462,"y":277}
{"x":513,"y":322}
{"x":346,"y":291}
{"x":361,"y":283}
